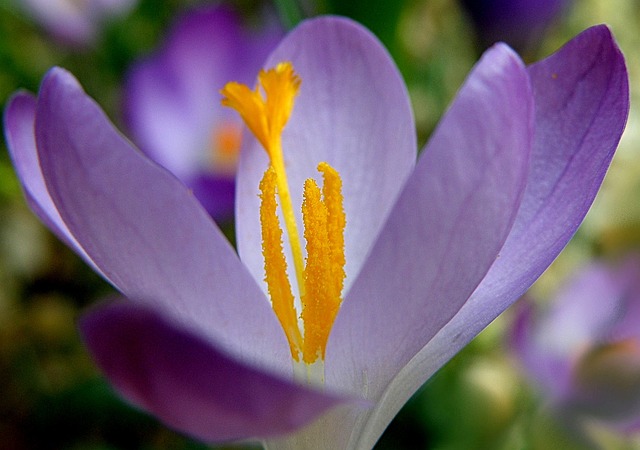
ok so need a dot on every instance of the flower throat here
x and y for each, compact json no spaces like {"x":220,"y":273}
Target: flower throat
{"x":320,"y":278}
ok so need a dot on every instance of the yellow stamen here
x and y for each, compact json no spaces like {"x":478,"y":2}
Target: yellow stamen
{"x":275,"y":265}
{"x":336,"y":221}
{"x":321,"y":279}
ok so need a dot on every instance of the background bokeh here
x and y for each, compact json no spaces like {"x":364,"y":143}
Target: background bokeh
{"x":51,"y":395}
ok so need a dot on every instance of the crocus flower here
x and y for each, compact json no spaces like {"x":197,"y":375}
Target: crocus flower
{"x":583,"y":351}
{"x":172,"y":103}
{"x":75,"y":22}
{"x":434,"y":249}
{"x":520,"y":23}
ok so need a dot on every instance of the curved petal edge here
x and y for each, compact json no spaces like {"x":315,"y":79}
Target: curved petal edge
{"x":189,"y":383}
{"x":581,"y":95}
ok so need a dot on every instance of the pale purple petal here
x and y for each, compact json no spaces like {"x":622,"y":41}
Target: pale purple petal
{"x":554,"y":370}
{"x":172,"y":104}
{"x":74,"y":22}
{"x":443,"y":234}
{"x":19,"y":118}
{"x":64,"y":19}
{"x":190,"y":384}
{"x":583,"y":312}
{"x":606,"y":368}
{"x":172,"y":100}
{"x":582,"y":350}
{"x":145,"y":230}
{"x":352,"y":112}
{"x":581,"y":98}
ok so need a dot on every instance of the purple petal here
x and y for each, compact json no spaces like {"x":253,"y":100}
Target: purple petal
{"x":447,"y":227}
{"x":19,"y":121}
{"x":553,"y":370}
{"x":606,"y":364}
{"x":190,"y":384}
{"x":581,"y":97}
{"x":441,"y":238}
{"x":216,"y":194}
{"x":599,"y":307}
{"x":63,"y":20}
{"x":352,"y":112}
{"x":75,"y":23}
{"x":172,"y":100}
{"x":145,"y":230}
{"x":584,"y":311}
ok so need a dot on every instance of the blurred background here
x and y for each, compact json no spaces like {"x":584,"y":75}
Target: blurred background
{"x":490,"y":396}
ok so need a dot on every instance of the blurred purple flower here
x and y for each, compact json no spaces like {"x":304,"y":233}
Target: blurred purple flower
{"x":172,"y":104}
{"x":519,"y":23}
{"x":72,"y":21}
{"x":584,"y":350}
{"x":435,"y":248}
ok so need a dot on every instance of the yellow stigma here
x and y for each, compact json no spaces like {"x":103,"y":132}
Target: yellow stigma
{"x":266,"y":116}
{"x":307,"y":323}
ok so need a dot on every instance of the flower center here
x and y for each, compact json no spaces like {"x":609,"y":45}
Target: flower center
{"x":321,"y":277}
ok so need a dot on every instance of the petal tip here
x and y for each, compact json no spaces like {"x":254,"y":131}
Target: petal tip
{"x":58,"y":77}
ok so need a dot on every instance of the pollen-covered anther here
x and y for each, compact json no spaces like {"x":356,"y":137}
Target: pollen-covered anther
{"x":324,"y":223}
{"x":336,"y":220}
{"x":275,"y":265}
